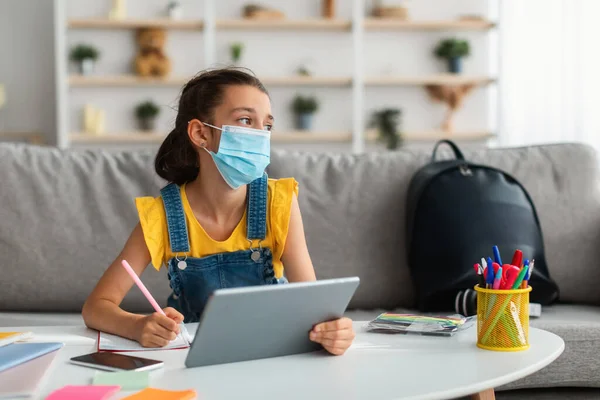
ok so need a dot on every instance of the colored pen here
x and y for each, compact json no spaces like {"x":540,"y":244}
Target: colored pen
{"x":520,"y":278}
{"x":479,"y":272}
{"x":497,"y":255}
{"x":524,"y":284}
{"x":490,"y":272}
{"x":531,"y":265}
{"x":497,"y":280}
{"x":148,"y":296}
{"x":511,"y":273}
{"x":517,"y":258}
{"x":529,"y":272}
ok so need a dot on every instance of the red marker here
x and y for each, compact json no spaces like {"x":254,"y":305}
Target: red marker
{"x":511,"y":275}
{"x":517,"y":258}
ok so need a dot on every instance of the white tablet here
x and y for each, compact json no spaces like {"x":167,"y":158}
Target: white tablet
{"x":266,"y":321}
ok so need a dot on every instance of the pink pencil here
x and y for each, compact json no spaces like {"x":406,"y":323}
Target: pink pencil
{"x":147,"y":294}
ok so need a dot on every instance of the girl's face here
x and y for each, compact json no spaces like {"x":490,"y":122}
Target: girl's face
{"x":244,"y":106}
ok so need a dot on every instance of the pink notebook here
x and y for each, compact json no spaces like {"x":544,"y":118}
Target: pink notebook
{"x":87,"y":392}
{"x":24,"y":379}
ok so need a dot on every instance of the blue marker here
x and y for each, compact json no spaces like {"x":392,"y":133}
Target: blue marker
{"x":497,"y":256}
{"x":530,"y":270}
{"x":489,"y":279}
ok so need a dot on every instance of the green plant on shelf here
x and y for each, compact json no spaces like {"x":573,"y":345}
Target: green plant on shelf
{"x":387,"y":123}
{"x":303,"y":71}
{"x":85,"y":56}
{"x":146,"y":114}
{"x":84,"y":52}
{"x":304,"y":108}
{"x":236,"y":50}
{"x":453,"y":50}
{"x":305,"y":105}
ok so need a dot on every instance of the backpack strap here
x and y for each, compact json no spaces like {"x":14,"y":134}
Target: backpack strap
{"x":457,"y":153}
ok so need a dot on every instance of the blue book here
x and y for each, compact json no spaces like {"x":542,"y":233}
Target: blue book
{"x":17,"y":353}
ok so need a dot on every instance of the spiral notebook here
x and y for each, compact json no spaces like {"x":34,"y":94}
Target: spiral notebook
{"x":109,"y":342}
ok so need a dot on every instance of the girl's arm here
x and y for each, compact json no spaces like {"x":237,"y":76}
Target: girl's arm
{"x":101,"y":310}
{"x":335,"y":336}
{"x":295,"y":257}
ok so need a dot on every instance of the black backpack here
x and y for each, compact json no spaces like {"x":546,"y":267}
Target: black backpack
{"x":456,"y":212}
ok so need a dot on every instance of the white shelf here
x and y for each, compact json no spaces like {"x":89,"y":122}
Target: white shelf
{"x":105,"y":23}
{"x":30,"y":137}
{"x":434,"y":135}
{"x":120,"y":137}
{"x":441,"y":79}
{"x":286,"y":137}
{"x":123,"y":80}
{"x":408,"y":25}
{"x":132,"y":80}
{"x":285,"y":24}
{"x":355,"y":28}
{"x":307,"y":81}
{"x":155,"y":137}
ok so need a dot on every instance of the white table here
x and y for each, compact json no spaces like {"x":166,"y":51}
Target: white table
{"x":377,"y":366}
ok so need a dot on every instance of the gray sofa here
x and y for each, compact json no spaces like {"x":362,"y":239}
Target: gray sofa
{"x":65,"y":215}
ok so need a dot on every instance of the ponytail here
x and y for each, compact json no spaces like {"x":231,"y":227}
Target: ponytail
{"x":177,"y":160}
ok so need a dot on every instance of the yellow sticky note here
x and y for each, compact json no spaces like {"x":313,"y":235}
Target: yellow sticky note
{"x":11,"y":337}
{"x":159,"y":394}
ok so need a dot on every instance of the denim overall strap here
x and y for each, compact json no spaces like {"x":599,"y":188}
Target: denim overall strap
{"x":178,"y":233}
{"x":257,"y":208}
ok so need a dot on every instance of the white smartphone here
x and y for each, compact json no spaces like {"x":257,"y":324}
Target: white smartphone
{"x":116,"y":362}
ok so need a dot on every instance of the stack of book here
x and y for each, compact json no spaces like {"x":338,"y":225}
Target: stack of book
{"x":22,"y":364}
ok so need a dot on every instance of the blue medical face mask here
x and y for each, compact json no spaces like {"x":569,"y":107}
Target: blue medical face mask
{"x":243,"y":155}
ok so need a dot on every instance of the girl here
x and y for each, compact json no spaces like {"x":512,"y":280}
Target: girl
{"x":219,"y":222}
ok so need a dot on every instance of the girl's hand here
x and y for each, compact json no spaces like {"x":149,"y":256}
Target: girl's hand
{"x":156,"y":330}
{"x":335,"y":336}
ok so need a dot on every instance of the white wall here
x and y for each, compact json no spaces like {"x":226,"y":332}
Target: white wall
{"x":268,"y":53}
{"x":27,"y":66}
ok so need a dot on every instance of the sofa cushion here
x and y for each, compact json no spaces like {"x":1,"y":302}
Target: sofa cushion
{"x":66,"y":215}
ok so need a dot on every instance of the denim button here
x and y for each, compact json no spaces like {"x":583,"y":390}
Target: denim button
{"x":255,"y":256}
{"x":182,"y":265}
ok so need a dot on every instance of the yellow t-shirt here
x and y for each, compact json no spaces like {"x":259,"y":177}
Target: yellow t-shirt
{"x":153,"y":220}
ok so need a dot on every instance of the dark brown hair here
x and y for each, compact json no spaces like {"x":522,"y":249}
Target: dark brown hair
{"x":177,"y":158}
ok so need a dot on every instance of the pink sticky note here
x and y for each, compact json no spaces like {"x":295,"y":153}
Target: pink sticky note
{"x":88,"y":392}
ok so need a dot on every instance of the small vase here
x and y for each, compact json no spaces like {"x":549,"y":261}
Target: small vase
{"x":328,"y":9}
{"x":304,"y":121}
{"x":86,"y":66}
{"x":455,"y":65}
{"x":175,"y":12}
{"x":147,"y":124}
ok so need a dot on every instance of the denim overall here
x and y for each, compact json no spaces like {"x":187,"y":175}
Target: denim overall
{"x":194,"y":279}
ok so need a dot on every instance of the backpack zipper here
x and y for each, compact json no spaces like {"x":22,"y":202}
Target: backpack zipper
{"x":465,"y":170}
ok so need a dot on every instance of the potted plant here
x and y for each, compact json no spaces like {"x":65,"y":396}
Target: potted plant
{"x":453,"y":50}
{"x":387,"y":123}
{"x":85,"y":56}
{"x":303,"y":71}
{"x":304,"y":109}
{"x":146,"y":113}
{"x":236,"y":50}
{"x":174,"y":10}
